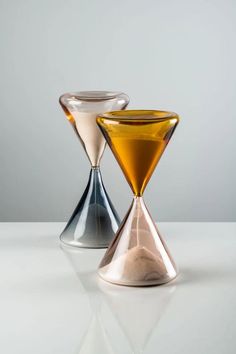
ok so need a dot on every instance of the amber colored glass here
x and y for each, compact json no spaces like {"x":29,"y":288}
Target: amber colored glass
{"x":138,"y":139}
{"x":138,"y":255}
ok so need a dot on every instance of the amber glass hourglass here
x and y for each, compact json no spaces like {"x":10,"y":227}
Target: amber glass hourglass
{"x":94,"y":221}
{"x":138,"y":255}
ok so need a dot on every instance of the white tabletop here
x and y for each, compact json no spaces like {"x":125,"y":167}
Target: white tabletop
{"x":53,"y":303}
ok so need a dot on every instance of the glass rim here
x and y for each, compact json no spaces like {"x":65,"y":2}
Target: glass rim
{"x":139,"y":115}
{"x":93,"y":95}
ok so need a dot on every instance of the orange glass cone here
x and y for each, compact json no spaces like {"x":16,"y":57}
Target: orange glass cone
{"x":138,"y":255}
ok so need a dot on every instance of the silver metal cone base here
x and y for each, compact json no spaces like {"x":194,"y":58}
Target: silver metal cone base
{"x":94,"y":221}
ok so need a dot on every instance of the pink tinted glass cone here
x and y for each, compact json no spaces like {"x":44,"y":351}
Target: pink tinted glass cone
{"x":82,"y":108}
{"x":138,"y":256}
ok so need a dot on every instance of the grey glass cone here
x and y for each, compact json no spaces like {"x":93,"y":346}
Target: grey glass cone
{"x":94,"y":221}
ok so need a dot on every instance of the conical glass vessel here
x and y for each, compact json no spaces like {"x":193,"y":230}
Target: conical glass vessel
{"x":138,"y":255}
{"x":94,"y":221}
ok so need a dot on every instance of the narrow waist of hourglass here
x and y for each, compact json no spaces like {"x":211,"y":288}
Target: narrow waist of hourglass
{"x":135,"y":196}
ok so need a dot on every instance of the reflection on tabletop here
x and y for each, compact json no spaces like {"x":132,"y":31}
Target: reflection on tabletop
{"x":133,"y":313}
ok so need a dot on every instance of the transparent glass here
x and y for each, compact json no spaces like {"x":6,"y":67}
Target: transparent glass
{"x":138,"y":255}
{"x":94,"y":220}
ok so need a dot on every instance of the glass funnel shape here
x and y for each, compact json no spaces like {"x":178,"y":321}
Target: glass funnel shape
{"x":138,"y":255}
{"x":94,"y":221}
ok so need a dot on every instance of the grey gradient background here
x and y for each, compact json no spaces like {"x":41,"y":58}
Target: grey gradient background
{"x":176,"y":55}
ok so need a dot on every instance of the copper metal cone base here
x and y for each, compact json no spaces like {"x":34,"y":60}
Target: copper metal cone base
{"x":138,"y":256}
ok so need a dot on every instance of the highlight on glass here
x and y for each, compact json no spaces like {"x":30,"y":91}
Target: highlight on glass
{"x":138,"y":256}
{"x":94,"y":220}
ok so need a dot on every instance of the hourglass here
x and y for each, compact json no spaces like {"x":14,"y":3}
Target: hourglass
{"x":94,"y":221}
{"x":138,"y":255}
